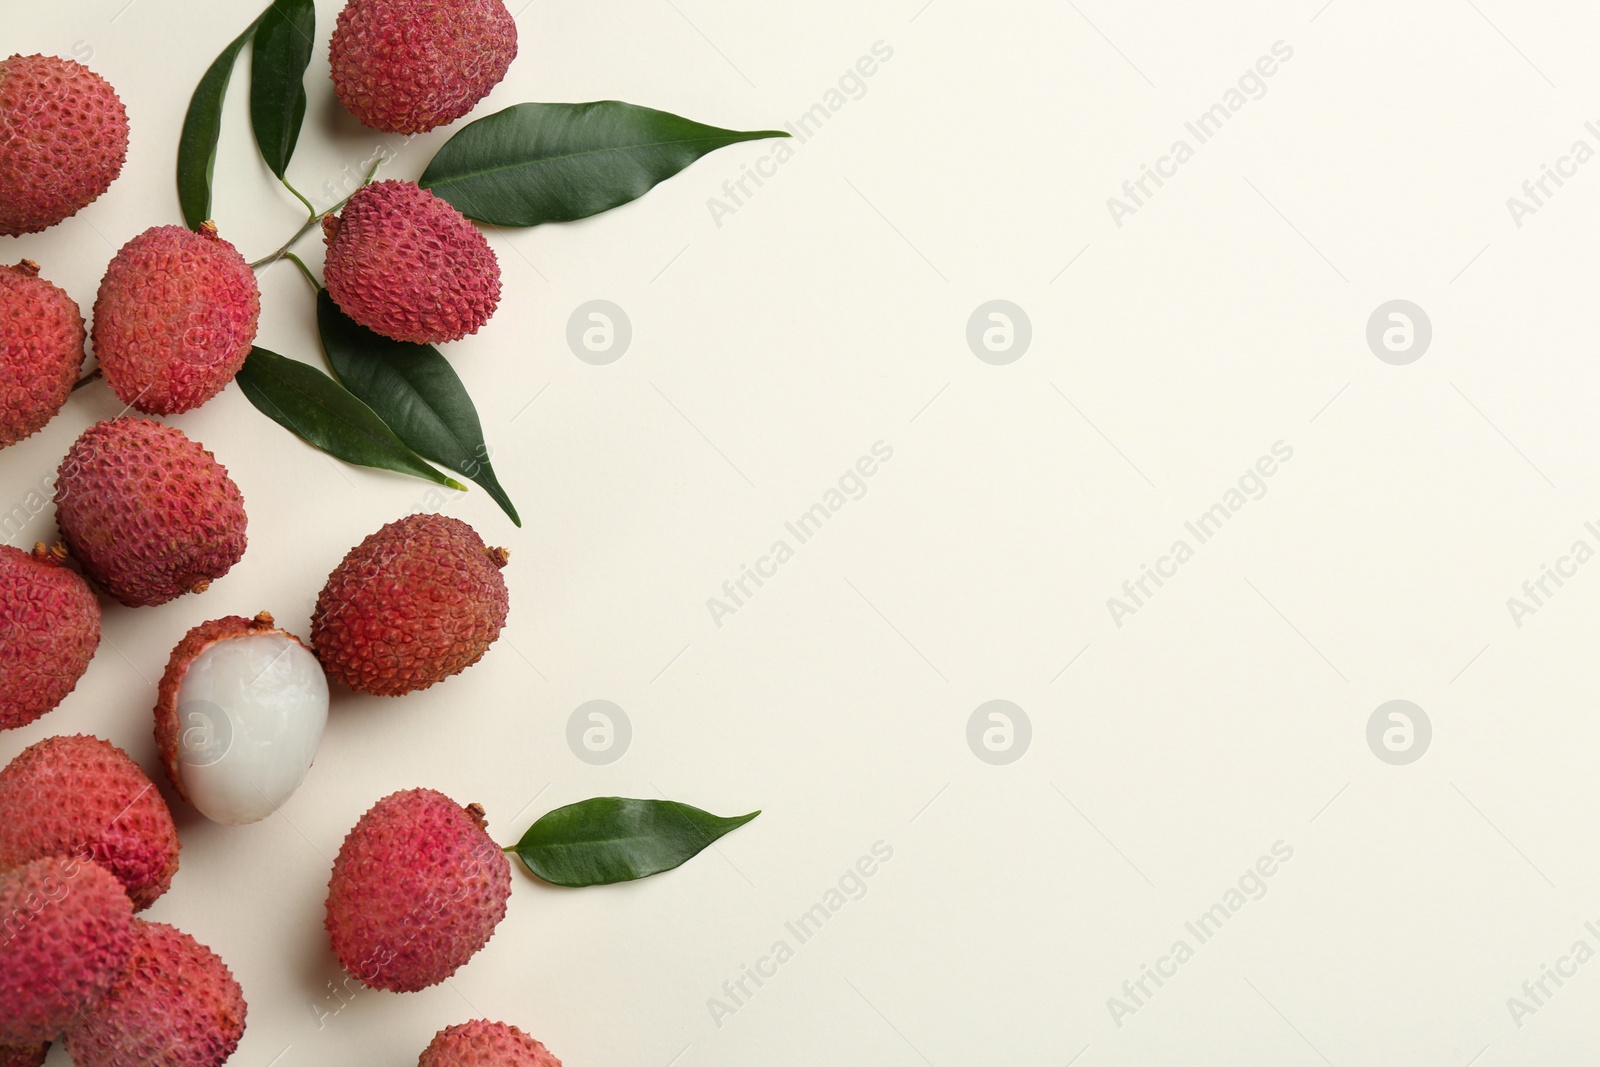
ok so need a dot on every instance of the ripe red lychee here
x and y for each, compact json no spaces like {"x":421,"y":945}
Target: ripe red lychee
{"x":484,"y":1044}
{"x":175,"y":1005}
{"x":175,"y":318}
{"x":83,"y":797}
{"x":148,"y":513}
{"x":418,"y":601}
{"x":41,"y":348}
{"x":63,"y":137}
{"x":407,"y":265}
{"x":240,"y":713}
{"x":406,"y":66}
{"x":417,"y":889}
{"x":66,"y":931}
{"x":49,"y":629}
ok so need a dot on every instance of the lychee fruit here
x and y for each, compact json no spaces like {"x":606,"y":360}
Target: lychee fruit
{"x":49,"y":629}
{"x":241,"y":710}
{"x":418,"y":601}
{"x":63,"y":137}
{"x":41,"y":349}
{"x":175,"y":1005}
{"x":417,"y":889}
{"x":24,"y":1055}
{"x":175,"y":318}
{"x":485,"y":1044}
{"x":66,"y":931}
{"x":407,"y":265}
{"x":83,"y":797}
{"x":148,"y":513}
{"x":406,"y":66}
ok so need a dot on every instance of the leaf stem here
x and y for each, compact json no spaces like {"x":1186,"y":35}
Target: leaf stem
{"x":93,"y":376}
{"x":283,"y":250}
{"x":312,"y":278}
{"x":312,"y":211}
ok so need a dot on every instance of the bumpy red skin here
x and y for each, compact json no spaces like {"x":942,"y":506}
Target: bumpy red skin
{"x":63,"y":137}
{"x":484,"y":1044}
{"x":49,"y":630}
{"x":195,"y":642}
{"x":175,"y":317}
{"x":418,"y":601}
{"x":407,"y":265}
{"x":68,"y":932}
{"x":406,"y":66}
{"x":24,"y":1055}
{"x":83,"y":797}
{"x":417,"y":889}
{"x":176,"y":1005}
{"x":148,"y":513}
{"x":41,"y":349}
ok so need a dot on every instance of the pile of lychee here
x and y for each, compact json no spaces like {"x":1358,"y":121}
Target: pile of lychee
{"x":146,"y":515}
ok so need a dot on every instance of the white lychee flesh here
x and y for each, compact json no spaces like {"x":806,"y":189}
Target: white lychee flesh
{"x":251,"y":713}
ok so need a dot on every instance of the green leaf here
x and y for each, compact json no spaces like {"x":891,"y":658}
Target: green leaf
{"x":614,"y":839}
{"x":197,"y":145}
{"x":416,"y":391}
{"x":321,"y":412}
{"x":278,"y":61}
{"x":535,"y":163}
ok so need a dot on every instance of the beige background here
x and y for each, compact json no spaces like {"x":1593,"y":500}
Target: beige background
{"x":829,"y":312}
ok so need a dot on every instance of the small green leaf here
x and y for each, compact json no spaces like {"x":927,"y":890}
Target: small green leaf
{"x":278,"y":61}
{"x":416,"y":391}
{"x":535,"y":163}
{"x":197,"y":145}
{"x":321,"y":412}
{"x":614,"y":839}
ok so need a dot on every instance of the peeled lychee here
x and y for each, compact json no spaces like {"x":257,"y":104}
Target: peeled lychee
{"x":406,"y":66}
{"x":176,"y":1005}
{"x":175,"y":318}
{"x":66,"y":930}
{"x":485,"y":1044}
{"x":148,"y":513}
{"x":414,"y":603}
{"x":49,"y":629}
{"x":241,"y":710}
{"x":83,"y":797}
{"x":24,"y":1055}
{"x":63,"y":137}
{"x":407,"y":265}
{"x":417,"y":889}
{"x":41,"y":349}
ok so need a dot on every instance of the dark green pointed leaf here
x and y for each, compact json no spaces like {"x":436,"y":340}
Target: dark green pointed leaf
{"x":324,"y":414}
{"x":197,"y":145}
{"x":416,"y":391}
{"x":614,"y":839}
{"x":535,"y":163}
{"x":278,"y":61}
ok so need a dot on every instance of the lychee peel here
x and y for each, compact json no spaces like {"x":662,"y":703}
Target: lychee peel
{"x":79,"y":796}
{"x":406,"y":264}
{"x":66,"y":931}
{"x":239,"y":714}
{"x":49,"y":630}
{"x":63,"y":138}
{"x":406,"y":66}
{"x":417,"y":889}
{"x":175,"y":318}
{"x":418,"y":601}
{"x":148,"y":513}
{"x":41,"y":348}
{"x":481,"y":1043}
{"x":175,"y":1005}
{"x":24,"y":1055}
